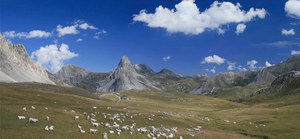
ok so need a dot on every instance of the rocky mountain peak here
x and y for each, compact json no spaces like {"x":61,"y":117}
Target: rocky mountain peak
{"x":125,"y":62}
{"x":124,"y":78}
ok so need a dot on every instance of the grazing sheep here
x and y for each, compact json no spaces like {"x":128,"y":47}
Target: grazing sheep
{"x":79,"y":126}
{"x":21,"y":117}
{"x":96,"y":124}
{"x":105,"y":135}
{"x":46,"y":108}
{"x":32,"y":107}
{"x":93,"y":120}
{"x":111,"y":132}
{"x":93,"y":131}
{"x":24,"y":109}
{"x":82,"y":131}
{"x":180,"y":137}
{"x":47,"y":118}
{"x":76,"y":117}
{"x":47,"y":128}
{"x":51,"y":128}
{"x":33,"y":120}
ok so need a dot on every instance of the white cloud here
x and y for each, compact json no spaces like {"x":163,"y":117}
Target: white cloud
{"x":27,"y":35}
{"x":99,"y":33}
{"x":294,"y":52}
{"x":74,"y":28}
{"x":240,"y":28}
{"x":288,"y":32}
{"x":213,"y":59}
{"x":252,"y":64}
{"x":213,"y":70}
{"x":79,"y":40}
{"x":52,"y":56}
{"x":231,"y":66}
{"x":62,"y":31}
{"x":267,"y":64}
{"x":166,"y":58}
{"x":188,"y":19}
{"x":86,"y":26}
{"x":292,"y":8}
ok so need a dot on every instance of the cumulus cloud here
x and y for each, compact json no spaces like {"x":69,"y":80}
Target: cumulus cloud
{"x":294,"y":52}
{"x":52,"y":56}
{"x":252,"y":64}
{"x":166,"y":58}
{"x":288,"y":32}
{"x":213,"y":59}
{"x":188,"y":19}
{"x":74,"y":28}
{"x":292,"y":8}
{"x":240,"y":28}
{"x":267,"y":64}
{"x":213,"y":70}
{"x":27,"y":35}
{"x":86,"y":26}
{"x":79,"y":40}
{"x":62,"y":31}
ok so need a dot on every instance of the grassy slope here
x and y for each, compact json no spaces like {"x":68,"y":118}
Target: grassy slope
{"x":281,"y":120}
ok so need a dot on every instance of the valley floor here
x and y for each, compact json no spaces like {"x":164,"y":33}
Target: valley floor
{"x":220,"y":119}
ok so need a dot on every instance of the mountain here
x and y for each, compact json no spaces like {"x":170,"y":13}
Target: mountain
{"x":71,"y":74}
{"x":143,"y":69}
{"x":214,"y":83}
{"x":267,"y":75}
{"x":125,"y":78}
{"x":17,"y":66}
{"x":79,"y":77}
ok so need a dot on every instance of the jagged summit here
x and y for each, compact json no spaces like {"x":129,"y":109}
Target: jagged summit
{"x":125,"y":62}
{"x":124,"y":78}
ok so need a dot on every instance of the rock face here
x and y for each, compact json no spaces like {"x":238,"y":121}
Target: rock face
{"x":214,"y":83}
{"x":17,"y":66}
{"x":287,"y":81}
{"x":124,"y":78}
{"x":71,"y":74}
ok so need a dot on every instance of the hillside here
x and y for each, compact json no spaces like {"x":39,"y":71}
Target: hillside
{"x":219,"y":118}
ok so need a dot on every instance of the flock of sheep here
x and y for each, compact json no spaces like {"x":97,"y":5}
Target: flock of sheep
{"x":116,"y":124}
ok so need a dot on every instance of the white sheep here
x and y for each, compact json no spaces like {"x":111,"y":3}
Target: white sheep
{"x":93,"y":131}
{"x":21,"y":117}
{"x":96,"y":124}
{"x":105,"y":135}
{"x":47,"y":118}
{"x":32,"y":107}
{"x":93,"y":120}
{"x":51,"y":128}
{"x":24,"y":109}
{"x":33,"y":120}
{"x":76,"y":117}
{"x":111,"y":132}
{"x":82,"y":131}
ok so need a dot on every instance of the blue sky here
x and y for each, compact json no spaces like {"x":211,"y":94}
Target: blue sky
{"x":185,"y":49}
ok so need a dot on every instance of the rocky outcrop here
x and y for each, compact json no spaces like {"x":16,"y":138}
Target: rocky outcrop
{"x":124,"y":78}
{"x":17,"y":66}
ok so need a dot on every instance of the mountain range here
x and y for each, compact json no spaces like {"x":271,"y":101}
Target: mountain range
{"x":17,"y":66}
